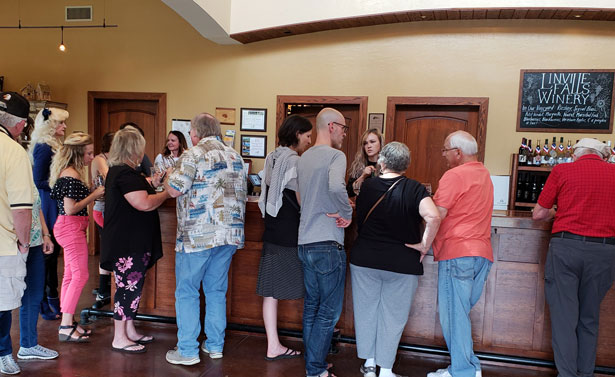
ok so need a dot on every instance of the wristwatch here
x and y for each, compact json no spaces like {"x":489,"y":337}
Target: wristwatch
{"x":25,"y":246}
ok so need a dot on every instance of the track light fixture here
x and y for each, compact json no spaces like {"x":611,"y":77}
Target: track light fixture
{"x":62,"y":47}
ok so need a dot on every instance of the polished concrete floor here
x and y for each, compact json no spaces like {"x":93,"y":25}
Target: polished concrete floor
{"x":243,"y":355}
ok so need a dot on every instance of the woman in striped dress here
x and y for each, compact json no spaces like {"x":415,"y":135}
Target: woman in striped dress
{"x":280,"y":275}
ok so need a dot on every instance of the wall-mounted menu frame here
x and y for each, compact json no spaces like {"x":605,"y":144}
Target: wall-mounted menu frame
{"x":566,"y":100}
{"x":254,"y":146}
{"x":253,"y":119}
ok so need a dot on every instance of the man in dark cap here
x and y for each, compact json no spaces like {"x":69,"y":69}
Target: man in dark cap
{"x":16,"y":198}
{"x":581,"y":259}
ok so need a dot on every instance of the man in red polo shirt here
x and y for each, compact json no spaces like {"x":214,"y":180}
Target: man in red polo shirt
{"x":581,"y":258}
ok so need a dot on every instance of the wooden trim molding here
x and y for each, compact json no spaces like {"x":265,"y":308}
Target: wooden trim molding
{"x":481,"y":102}
{"x":581,"y":14}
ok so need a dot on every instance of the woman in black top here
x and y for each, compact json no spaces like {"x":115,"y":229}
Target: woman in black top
{"x":68,"y":188}
{"x":131,"y":241}
{"x":364,"y":165}
{"x":280,"y":275}
{"x":385,"y":261}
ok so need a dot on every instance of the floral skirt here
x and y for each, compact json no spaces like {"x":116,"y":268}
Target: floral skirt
{"x":129,"y":274}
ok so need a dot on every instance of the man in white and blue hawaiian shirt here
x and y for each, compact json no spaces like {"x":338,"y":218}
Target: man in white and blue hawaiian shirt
{"x":209,"y":182}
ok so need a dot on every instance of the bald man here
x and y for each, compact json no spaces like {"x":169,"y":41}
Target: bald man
{"x":462,"y":248}
{"x":325,"y":211}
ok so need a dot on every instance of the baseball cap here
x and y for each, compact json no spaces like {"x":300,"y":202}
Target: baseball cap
{"x":14,"y":104}
{"x":594,"y":144}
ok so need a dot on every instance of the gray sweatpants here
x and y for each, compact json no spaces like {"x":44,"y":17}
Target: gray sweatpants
{"x":578,"y":275}
{"x":381,"y":305}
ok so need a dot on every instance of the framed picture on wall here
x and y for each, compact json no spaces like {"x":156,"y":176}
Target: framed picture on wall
{"x":254,"y":146}
{"x":225,"y":115}
{"x":253,"y":119}
{"x":376,"y":120}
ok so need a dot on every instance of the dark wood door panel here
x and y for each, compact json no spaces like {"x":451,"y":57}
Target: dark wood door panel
{"x":423,"y":124}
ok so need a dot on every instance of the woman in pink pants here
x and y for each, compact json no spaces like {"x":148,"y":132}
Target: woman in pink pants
{"x":66,"y":180}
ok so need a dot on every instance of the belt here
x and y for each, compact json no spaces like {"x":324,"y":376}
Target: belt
{"x":572,"y":236}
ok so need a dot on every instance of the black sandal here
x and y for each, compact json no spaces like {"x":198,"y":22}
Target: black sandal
{"x":69,"y":337}
{"x":86,"y":332}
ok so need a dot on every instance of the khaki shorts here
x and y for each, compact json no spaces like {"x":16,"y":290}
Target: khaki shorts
{"x":12,"y":280}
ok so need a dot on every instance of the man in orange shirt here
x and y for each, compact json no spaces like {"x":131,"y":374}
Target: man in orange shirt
{"x":462,"y":248}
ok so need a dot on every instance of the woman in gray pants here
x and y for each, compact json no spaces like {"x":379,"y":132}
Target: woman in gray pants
{"x":386,"y":257}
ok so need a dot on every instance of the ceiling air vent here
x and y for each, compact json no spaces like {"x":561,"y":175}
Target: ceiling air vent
{"x":78,"y":13}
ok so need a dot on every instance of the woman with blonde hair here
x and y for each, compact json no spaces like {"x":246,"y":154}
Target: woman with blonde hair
{"x":46,"y":140}
{"x":131,"y":239}
{"x":364,"y":165}
{"x":69,"y":189}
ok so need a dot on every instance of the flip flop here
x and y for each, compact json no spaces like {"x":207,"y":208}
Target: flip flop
{"x":288,"y":354}
{"x":142,"y":340}
{"x":69,"y":337}
{"x":127,"y":349}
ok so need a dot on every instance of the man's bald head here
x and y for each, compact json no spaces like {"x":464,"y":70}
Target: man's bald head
{"x":326,"y":116}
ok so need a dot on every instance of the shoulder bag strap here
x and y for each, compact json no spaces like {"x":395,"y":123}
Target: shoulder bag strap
{"x":379,"y":200}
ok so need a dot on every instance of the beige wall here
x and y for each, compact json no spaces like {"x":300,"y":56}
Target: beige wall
{"x":154,"y":50}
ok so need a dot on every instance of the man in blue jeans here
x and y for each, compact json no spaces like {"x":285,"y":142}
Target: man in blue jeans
{"x":462,"y":248}
{"x":325,"y":211}
{"x":210,"y":184}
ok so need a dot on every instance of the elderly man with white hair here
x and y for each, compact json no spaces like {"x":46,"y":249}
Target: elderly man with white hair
{"x":462,"y":248}
{"x":581,"y":258}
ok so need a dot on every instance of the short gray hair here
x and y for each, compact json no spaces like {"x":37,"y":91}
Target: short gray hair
{"x":463,"y":141}
{"x":395,"y":156}
{"x":9,"y":120}
{"x":206,"y":125}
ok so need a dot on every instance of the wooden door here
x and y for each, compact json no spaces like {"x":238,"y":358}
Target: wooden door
{"x":423,"y":124}
{"x":107,"y":111}
{"x":354,"y":110}
{"x":351,"y":115}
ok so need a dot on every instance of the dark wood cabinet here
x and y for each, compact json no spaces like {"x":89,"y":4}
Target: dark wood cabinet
{"x":523,"y":195}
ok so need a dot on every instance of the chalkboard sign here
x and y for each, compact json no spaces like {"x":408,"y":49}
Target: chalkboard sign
{"x":566,"y":101}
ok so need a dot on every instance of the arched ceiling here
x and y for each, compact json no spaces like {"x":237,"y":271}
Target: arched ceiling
{"x":247,"y":21}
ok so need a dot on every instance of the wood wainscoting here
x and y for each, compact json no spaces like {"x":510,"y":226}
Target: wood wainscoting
{"x":511,"y":318}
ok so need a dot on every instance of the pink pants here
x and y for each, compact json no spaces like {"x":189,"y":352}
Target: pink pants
{"x":98,"y":218}
{"x":70,"y":234}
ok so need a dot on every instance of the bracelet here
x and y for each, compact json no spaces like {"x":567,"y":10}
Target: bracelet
{"x":47,"y":235}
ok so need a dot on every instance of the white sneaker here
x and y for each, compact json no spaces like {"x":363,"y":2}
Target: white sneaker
{"x":440,"y":373}
{"x":37,"y":352}
{"x":212,"y":354}
{"x":8,"y":365}
{"x":444,"y":373}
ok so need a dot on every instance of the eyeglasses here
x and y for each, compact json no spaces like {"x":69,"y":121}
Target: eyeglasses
{"x":447,"y":149}
{"x":345,"y":128}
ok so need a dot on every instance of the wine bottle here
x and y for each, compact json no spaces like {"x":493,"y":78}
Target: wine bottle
{"x":523,"y":153}
{"x":537,"y":153}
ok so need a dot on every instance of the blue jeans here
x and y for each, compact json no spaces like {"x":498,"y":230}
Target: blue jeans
{"x":324,"y":274}
{"x":210,"y":268}
{"x":460,"y":285}
{"x":32,"y":296}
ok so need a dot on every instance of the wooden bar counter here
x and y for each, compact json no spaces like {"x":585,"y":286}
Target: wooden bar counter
{"x":511,"y":318}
